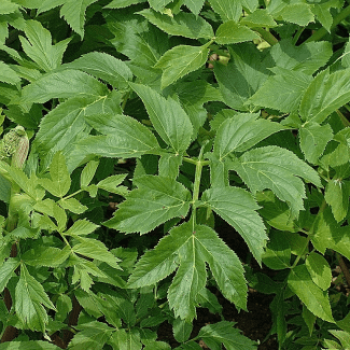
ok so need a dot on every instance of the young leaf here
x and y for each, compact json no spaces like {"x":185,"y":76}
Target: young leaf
{"x":316,"y":300}
{"x":259,"y":18}
{"x":183,"y":24}
{"x":6,"y":270}
{"x":156,"y":201}
{"x":223,"y":333}
{"x":81,"y":228}
{"x":30,"y":301}
{"x":39,"y":46}
{"x":8,"y":7}
{"x":238,"y":208}
{"x":8,"y":75}
{"x":227,"y":9}
{"x":326,"y":93}
{"x":337,"y":196}
{"x":241,"y":132}
{"x":277,"y":169}
{"x":232,"y":33}
{"x":167,"y":117}
{"x":127,"y":138}
{"x":319,"y":270}
{"x":60,"y":181}
{"x":88,"y":173}
{"x":110,"y":184}
{"x":63,"y":84}
{"x":73,"y":205}
{"x":313,"y":140}
{"x":181,"y":60}
{"x":104,"y":67}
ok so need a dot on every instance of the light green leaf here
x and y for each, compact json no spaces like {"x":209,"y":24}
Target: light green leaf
{"x":110,"y":184}
{"x":322,"y":11}
{"x":118,"y":4}
{"x":94,"y":249}
{"x":242,"y":76}
{"x":343,"y":337}
{"x":28,"y":345}
{"x":126,"y":137}
{"x":168,"y":118}
{"x":158,"y":5}
{"x":91,"y":335}
{"x":169,"y":165}
{"x":241,"y":132}
{"x":60,"y":181}
{"x":227,"y":9}
{"x":181,"y":60}
{"x":6,"y":270}
{"x":299,"y":13}
{"x":259,"y":18}
{"x":39,"y":46}
{"x":30,"y":301}
{"x":209,"y":300}
{"x":278,"y":252}
{"x":61,"y":218}
{"x":123,"y":340}
{"x":279,"y":170}
{"x":232,"y":33}
{"x":190,"y":277}
{"x":105,"y":67}
{"x":81,"y":228}
{"x":194,"y":6}
{"x":316,"y":300}
{"x":8,"y":75}
{"x":64,"y":84}
{"x":73,"y":205}
{"x":156,"y":201}
{"x":319,"y":270}
{"x":48,"y":256}
{"x":337,"y":196}
{"x":222,"y":333}
{"x":282,"y":91}
{"x":313,"y":140}
{"x":88,"y":172}
{"x":238,"y":208}
{"x":64,"y":306}
{"x":326,"y":93}
{"x":224,"y":264}
{"x":183,"y":24}
{"x":182,"y":330}
{"x":8,"y":7}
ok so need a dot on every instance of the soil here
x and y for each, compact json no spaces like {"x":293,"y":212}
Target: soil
{"x":254,"y":324}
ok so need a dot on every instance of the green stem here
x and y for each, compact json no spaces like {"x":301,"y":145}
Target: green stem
{"x":319,"y":34}
{"x":343,"y":119}
{"x":310,"y":233}
{"x":195,"y":161}
{"x":126,"y":97}
{"x":297,"y":35}
{"x":267,"y":36}
{"x":73,"y":194}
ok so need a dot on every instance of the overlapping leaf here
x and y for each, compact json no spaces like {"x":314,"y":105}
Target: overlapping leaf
{"x":157,"y":200}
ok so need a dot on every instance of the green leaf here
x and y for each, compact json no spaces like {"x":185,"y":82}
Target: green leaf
{"x":159,"y":5}
{"x":91,"y":335}
{"x":232,"y":33}
{"x":6,"y":270}
{"x":64,"y":84}
{"x":181,"y":60}
{"x":81,"y":228}
{"x":64,"y":306}
{"x":182,"y":330}
{"x":279,"y":170}
{"x":105,"y":67}
{"x":337,"y":196}
{"x":125,"y":137}
{"x":117,"y":4}
{"x":316,"y":300}
{"x":88,"y":173}
{"x":123,"y":340}
{"x":156,"y":201}
{"x":169,"y":165}
{"x":8,"y":75}
{"x":282,"y":91}
{"x":183,"y":24}
{"x":73,"y":11}
{"x":313,"y":140}
{"x":242,"y":76}
{"x":8,"y":7}
{"x":168,"y":118}
{"x":110,"y":184}
{"x":194,"y":6}
{"x":326,"y":93}
{"x":73,"y":205}
{"x":28,"y":345}
{"x":259,"y":18}
{"x":322,"y":11}
{"x":39,"y":46}
{"x":227,"y":9}
{"x":60,"y":181}
{"x":298,"y":13}
{"x":319,"y":270}
{"x":30,"y":301}
{"x":238,"y":208}
{"x":48,"y":256}
{"x":241,"y":132}
{"x":223,"y":333}
{"x":94,"y":249}
{"x":278,"y":252}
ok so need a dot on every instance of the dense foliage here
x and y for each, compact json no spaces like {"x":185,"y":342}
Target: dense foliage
{"x":132,"y":129}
